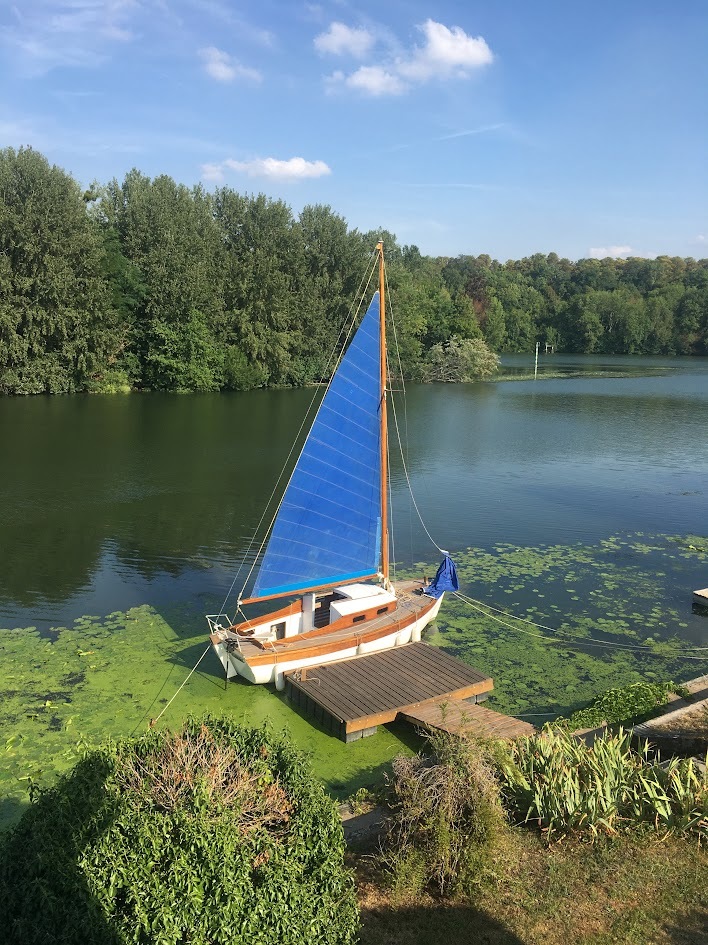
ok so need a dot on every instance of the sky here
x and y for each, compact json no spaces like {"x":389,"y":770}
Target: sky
{"x":506,"y":128}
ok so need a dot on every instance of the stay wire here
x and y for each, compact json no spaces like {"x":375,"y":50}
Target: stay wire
{"x":569,"y":641}
{"x":349,"y":321}
{"x":477,"y":605}
{"x":153,"y":722}
{"x":408,"y":480}
{"x":405,"y":406}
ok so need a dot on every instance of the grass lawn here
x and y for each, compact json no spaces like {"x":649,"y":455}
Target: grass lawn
{"x":646,"y":891}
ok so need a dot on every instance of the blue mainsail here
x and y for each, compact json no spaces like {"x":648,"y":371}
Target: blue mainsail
{"x":328,"y":527}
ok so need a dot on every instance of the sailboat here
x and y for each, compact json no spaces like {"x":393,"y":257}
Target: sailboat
{"x":327,"y":551}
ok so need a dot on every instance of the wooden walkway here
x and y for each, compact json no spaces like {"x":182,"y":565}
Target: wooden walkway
{"x":351,"y":697}
{"x":466,"y":718}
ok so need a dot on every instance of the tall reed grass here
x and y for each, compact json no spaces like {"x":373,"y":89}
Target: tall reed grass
{"x":567,"y":786}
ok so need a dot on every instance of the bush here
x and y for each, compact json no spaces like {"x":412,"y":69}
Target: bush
{"x":215,"y":834}
{"x":567,"y":786}
{"x":448,"y":822}
{"x":459,"y":360}
{"x":629,"y":703}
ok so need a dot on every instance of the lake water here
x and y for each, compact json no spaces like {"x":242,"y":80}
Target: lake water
{"x":108,"y":502}
{"x":578,"y":501}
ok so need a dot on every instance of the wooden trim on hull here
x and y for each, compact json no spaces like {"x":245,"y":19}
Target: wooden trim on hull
{"x":294,"y":608}
{"x":288,"y":649}
{"x":344,"y":623}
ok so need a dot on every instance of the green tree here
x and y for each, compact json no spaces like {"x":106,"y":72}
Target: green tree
{"x":262,"y":277}
{"x":332,"y":265}
{"x":495,"y":326}
{"x":57,"y":325}
{"x":167,"y":232}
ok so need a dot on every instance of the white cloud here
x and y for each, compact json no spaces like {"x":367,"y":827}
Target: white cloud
{"x":213,"y":173}
{"x":700,"y":238}
{"x":224,"y":68}
{"x":374,"y":80}
{"x":447,"y":53}
{"x":295,"y":168}
{"x":237,"y":25}
{"x":50,"y":33}
{"x":613,"y":252}
{"x":340,"y":40}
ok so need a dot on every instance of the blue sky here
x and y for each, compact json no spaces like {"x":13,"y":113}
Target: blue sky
{"x":505,"y":128}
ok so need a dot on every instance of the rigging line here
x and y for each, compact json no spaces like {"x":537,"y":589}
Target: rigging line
{"x":351,"y":317}
{"x":403,"y":460}
{"x":541,"y":626}
{"x":408,"y":480}
{"x":405,"y":405}
{"x":153,"y":722}
{"x":573,"y":642}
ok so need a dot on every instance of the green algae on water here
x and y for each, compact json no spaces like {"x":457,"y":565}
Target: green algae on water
{"x":108,"y":677}
{"x":622,"y":593}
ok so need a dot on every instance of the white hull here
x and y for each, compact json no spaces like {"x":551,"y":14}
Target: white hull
{"x":273,"y":672}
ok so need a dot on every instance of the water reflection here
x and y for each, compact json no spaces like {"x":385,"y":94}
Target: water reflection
{"x":112,"y":501}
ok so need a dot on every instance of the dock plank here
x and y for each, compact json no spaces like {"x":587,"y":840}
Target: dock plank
{"x":467,"y":718}
{"x":364,"y":691}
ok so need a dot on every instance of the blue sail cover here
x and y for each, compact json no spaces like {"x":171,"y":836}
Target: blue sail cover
{"x":444,"y":580}
{"x":328,"y":527}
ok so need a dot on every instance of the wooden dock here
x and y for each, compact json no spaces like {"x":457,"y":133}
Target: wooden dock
{"x":417,"y":682}
{"x":701,"y":597}
{"x":466,"y":718}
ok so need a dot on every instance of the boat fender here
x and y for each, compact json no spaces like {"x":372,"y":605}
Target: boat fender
{"x":280,"y":681}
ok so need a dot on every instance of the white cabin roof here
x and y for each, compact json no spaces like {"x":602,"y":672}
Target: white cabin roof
{"x":357,"y":591}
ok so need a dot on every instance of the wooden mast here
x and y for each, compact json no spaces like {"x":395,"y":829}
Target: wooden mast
{"x":384,"y":426}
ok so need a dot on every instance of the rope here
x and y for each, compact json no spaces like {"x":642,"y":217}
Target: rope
{"x":575,"y":642}
{"x":408,"y":480}
{"x":153,"y":722}
{"x":349,"y":320}
{"x":405,"y":406}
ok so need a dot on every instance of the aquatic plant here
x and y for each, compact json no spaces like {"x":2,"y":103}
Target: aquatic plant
{"x":217,"y":833}
{"x":108,"y":676}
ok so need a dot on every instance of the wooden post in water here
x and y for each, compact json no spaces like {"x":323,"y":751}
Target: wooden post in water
{"x":535,"y":366}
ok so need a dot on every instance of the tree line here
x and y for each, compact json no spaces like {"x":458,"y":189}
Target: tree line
{"x":149,"y":284}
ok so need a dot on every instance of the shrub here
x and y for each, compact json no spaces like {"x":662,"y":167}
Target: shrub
{"x":448,"y":821}
{"x":218,"y":833}
{"x":568,"y":786}
{"x":459,"y":360}
{"x":628,"y":703}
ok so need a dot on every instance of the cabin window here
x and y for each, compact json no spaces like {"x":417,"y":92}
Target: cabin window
{"x":278,"y":629}
{"x":382,"y":610}
{"x":359,"y":618}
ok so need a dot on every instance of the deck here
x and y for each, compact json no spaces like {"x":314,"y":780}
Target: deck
{"x":351,"y":697}
{"x":466,"y":718}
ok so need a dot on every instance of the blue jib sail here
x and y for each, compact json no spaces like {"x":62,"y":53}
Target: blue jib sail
{"x":328,"y":526}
